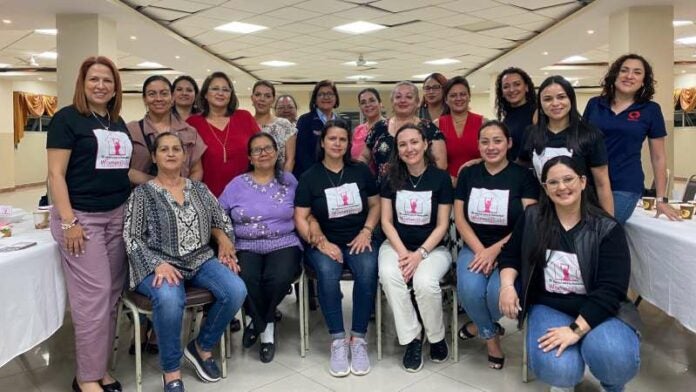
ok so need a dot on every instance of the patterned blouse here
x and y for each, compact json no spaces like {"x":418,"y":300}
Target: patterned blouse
{"x":158,"y":229}
{"x":381,"y":143}
{"x":281,"y":130}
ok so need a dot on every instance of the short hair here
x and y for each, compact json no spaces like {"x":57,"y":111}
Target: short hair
{"x":404,"y":83}
{"x":79,"y":97}
{"x":313,"y":98}
{"x":283,"y":96}
{"x":205,"y":106}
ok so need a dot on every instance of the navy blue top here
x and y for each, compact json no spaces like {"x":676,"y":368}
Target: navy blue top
{"x":309,"y":127}
{"x":517,"y":120}
{"x":624,"y":134}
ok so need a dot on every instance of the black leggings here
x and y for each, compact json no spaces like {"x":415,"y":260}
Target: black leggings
{"x":268,"y":278}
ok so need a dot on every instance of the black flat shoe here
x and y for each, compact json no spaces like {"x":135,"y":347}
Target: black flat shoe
{"x":113,"y":387}
{"x":250,"y":336}
{"x":235,"y":325}
{"x":75,"y":385}
{"x":496,"y":363}
{"x":277,"y":316}
{"x":267,"y":352}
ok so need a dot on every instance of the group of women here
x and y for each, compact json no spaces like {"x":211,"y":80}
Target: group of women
{"x":234,"y":202}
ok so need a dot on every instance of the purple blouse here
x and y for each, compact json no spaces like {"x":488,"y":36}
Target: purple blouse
{"x":261,"y":214}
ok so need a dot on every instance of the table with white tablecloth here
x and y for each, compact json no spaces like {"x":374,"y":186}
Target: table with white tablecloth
{"x":32,"y":291}
{"x":663,"y":263}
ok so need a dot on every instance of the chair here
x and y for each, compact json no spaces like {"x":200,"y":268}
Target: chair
{"x":448,"y":283}
{"x":690,"y":190}
{"x":135,"y":303}
{"x":526,"y":377}
{"x":302,"y":307}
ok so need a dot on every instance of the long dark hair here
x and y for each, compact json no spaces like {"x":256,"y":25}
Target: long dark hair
{"x":186,"y":78}
{"x":502,"y":106}
{"x":337,"y":123}
{"x":645,"y":92}
{"x":548,"y":227}
{"x":446,"y":89}
{"x":278,"y":170}
{"x":579,"y":134}
{"x":441,"y":79}
{"x":398,"y":172}
{"x":203,"y":101}
{"x":313,"y":98}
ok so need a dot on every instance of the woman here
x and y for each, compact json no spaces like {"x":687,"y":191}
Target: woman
{"x":286,"y":107}
{"x":459,"y":125}
{"x":626,"y":115}
{"x":260,"y":203}
{"x":88,"y":152}
{"x":561,"y":131}
{"x":573,"y":265}
{"x":169,"y":224}
{"x":432,"y":106}
{"x":489,"y":198}
{"x":285,"y":134}
{"x":157,"y":97}
{"x":416,"y":204}
{"x":371,"y":108}
{"x":225,"y":129}
{"x":339,"y":197}
{"x":323,"y":102}
{"x":184,"y":92}
{"x":380,"y":142}
{"x":515,"y":105}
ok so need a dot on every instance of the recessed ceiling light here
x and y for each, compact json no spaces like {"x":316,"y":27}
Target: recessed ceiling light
{"x":277,"y":63}
{"x":177,"y":57}
{"x":680,"y":23}
{"x":362,"y":63}
{"x":590,"y":32}
{"x":40,"y":78}
{"x":359,"y":27}
{"x":240,"y":28}
{"x":207,"y":70}
{"x":360,"y":77}
{"x":683,"y":71}
{"x":444,"y":61}
{"x":686,"y":40}
{"x":48,"y":55}
{"x":132,"y":37}
{"x":546,"y":73}
{"x":574,"y":59}
{"x":545,"y":53}
{"x":6,"y":21}
{"x":46,"y":31}
{"x":150,"y":64}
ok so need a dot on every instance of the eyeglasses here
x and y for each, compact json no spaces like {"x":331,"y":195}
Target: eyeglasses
{"x":326,"y":95}
{"x":256,"y":151}
{"x":432,"y":88}
{"x":566,"y":181}
{"x":222,"y":90}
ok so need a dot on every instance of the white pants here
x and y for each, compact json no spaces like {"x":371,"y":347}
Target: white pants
{"x":426,"y":286}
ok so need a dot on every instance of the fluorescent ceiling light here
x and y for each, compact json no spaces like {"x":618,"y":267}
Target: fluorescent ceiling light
{"x":442,"y":61}
{"x":680,"y":23}
{"x":6,"y":21}
{"x":421,"y":76}
{"x":360,"y":77}
{"x":3,"y":65}
{"x":359,"y":27}
{"x":362,"y":63}
{"x":48,"y":55}
{"x":150,"y":64}
{"x":686,"y":40}
{"x":277,"y":63}
{"x":574,"y":59}
{"x":46,"y":31}
{"x":239,"y":27}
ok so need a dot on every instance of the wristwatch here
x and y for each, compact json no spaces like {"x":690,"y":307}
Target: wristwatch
{"x":576,"y":329}
{"x":663,"y":200}
{"x":423,"y":252}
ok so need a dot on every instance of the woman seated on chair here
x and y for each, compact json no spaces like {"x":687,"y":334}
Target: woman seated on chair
{"x":339,"y":197}
{"x":260,"y":203}
{"x":489,"y":198}
{"x":573,"y":262}
{"x":416,"y":204}
{"x":168,"y":227}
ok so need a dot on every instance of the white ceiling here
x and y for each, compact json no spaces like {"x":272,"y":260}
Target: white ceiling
{"x":484,"y":35}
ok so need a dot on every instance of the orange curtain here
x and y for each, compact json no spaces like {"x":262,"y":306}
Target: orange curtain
{"x":687,"y":99}
{"x":25,"y":104}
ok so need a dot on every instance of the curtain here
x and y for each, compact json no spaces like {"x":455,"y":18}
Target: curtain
{"x":687,"y":99}
{"x":25,"y":104}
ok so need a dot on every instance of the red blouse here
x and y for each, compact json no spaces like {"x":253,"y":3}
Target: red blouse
{"x":226,"y":156}
{"x":461,"y":149}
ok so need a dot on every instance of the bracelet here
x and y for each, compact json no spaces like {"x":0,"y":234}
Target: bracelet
{"x":368,"y":228}
{"x":68,"y":226}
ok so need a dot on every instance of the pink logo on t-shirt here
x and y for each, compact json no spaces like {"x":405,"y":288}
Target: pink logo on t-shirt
{"x":414,"y":205}
{"x":344,"y":197}
{"x":116,"y":147}
{"x":634,"y":115}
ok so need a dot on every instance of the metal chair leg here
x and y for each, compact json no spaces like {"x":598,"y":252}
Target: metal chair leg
{"x":228,"y":341}
{"x":305,"y":290}
{"x":138,"y":353}
{"x":114,"y":348}
{"x":378,"y":320}
{"x":302,"y":307}
{"x":455,"y":340}
{"x":525,"y":364}
{"x":223,"y":356}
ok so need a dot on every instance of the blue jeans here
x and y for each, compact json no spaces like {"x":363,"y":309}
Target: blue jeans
{"x":624,"y":204}
{"x":478,"y":294}
{"x":168,"y":309}
{"x":611,"y":350}
{"x":364,"y":268}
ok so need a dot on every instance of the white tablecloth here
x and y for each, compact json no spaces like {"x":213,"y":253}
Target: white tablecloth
{"x":663,"y":263}
{"x":32,"y":291}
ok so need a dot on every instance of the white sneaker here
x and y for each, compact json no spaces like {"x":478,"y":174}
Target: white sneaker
{"x":359,"y":360}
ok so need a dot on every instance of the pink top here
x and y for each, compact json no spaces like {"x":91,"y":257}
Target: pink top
{"x":359,"y":135}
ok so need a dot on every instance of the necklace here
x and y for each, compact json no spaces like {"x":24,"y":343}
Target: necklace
{"x":340,"y":177}
{"x":222,"y":143}
{"x":108,"y":118}
{"x":419,"y":178}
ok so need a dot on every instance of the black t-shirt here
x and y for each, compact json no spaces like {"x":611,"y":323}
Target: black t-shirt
{"x":592,"y":153}
{"x":560,"y":285}
{"x":97,"y":173}
{"x":414,"y":208}
{"x":517,"y":120}
{"x":337,"y":200}
{"x":493,"y":203}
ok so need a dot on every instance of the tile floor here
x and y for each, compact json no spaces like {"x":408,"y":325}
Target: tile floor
{"x":667,"y":350}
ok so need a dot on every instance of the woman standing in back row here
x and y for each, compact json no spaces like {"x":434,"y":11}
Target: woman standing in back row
{"x":515,"y":105}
